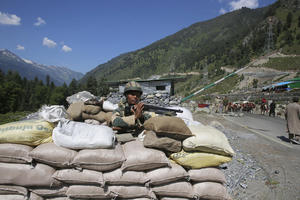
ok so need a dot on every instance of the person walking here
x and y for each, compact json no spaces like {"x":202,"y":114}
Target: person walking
{"x":292,"y":115}
{"x":272,"y":108}
{"x":225,"y":104}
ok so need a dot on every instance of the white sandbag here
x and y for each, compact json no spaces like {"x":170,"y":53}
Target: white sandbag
{"x":109,"y":107}
{"x":185,"y":115}
{"x":80,"y":97}
{"x":207,"y":139}
{"x":79,"y":135}
{"x":53,"y":113}
{"x":15,"y":153}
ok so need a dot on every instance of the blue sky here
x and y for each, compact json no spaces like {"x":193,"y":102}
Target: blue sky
{"x":81,"y":34}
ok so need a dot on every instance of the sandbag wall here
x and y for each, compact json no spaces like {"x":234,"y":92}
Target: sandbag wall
{"x":170,"y":161}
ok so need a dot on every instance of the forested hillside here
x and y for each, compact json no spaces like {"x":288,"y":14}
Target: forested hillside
{"x":231,"y":40}
{"x":20,"y":94}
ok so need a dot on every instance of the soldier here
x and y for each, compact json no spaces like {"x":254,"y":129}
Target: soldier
{"x":129,"y":116}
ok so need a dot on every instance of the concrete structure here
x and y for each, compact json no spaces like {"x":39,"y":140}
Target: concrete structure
{"x":165,"y":85}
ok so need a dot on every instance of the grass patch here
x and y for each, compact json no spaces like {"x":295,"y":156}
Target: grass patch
{"x":223,"y":87}
{"x":13,"y":116}
{"x":283,"y":63}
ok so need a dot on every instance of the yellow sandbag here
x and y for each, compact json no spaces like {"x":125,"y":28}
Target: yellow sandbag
{"x":28,"y":132}
{"x":199,"y":160}
{"x":207,"y":139}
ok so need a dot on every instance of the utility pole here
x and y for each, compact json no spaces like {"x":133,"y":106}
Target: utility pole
{"x":270,"y":35}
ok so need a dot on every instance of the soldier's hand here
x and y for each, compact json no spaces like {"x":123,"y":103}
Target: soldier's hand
{"x":138,"y":110}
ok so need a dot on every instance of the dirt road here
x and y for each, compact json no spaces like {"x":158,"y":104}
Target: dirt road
{"x":264,"y":139}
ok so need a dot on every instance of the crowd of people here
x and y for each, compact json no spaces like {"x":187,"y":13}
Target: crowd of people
{"x":292,"y":112}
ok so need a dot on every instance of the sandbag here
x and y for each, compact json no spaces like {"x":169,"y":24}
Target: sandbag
{"x":27,"y":175}
{"x":75,"y":111}
{"x":87,"y":192}
{"x":101,"y":116}
{"x":211,"y":190}
{"x":92,"y":121}
{"x":131,"y":192}
{"x":199,"y":160}
{"x":11,"y":189}
{"x":53,"y":192}
{"x":15,"y":153}
{"x":12,"y":197}
{"x":125,"y":137}
{"x":58,"y":198}
{"x":73,"y":176}
{"x":176,"y":189}
{"x":91,"y":109}
{"x":117,"y":177}
{"x":151,"y":140}
{"x":53,"y":155}
{"x":186,"y":114}
{"x":167,"y":126}
{"x":173,"y":198}
{"x":79,"y":135}
{"x":100,"y":159}
{"x":209,"y":174}
{"x":139,"y":158}
{"x":53,"y":113}
{"x":109,"y":107}
{"x":167,"y":175}
{"x":207,"y":139}
{"x":33,"y":196}
{"x":82,"y":96}
{"x":28,"y":132}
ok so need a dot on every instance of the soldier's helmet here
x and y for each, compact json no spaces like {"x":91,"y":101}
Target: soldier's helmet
{"x":132,"y":86}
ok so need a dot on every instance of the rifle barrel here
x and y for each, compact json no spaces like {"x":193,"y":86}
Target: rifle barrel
{"x":153,"y":107}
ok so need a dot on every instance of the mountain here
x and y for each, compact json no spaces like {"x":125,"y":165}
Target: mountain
{"x":230,"y":40}
{"x":30,"y":70}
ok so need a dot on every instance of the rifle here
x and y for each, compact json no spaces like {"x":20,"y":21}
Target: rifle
{"x":161,"y":110}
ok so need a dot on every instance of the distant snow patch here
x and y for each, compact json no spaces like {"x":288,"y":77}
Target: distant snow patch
{"x":27,"y":61}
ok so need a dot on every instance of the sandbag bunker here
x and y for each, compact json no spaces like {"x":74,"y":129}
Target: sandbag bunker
{"x":171,"y":159}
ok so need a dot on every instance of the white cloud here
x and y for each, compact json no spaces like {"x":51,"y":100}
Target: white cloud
{"x":65,"y":48}
{"x":49,"y":43}
{"x":9,"y":19}
{"x":39,"y":22}
{"x":234,"y":5}
{"x":20,"y":47}
{"x":222,"y":11}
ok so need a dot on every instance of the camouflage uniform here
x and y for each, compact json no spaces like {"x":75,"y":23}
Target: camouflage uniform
{"x":124,"y":118}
